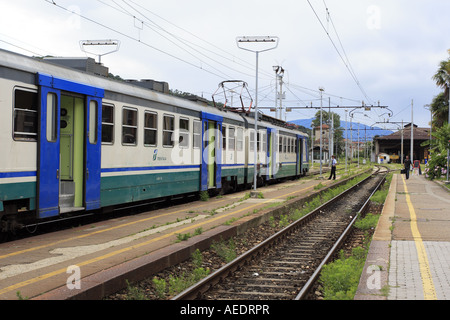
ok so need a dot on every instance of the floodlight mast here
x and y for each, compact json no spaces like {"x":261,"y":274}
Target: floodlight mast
{"x":257,"y":39}
{"x":84,"y":43}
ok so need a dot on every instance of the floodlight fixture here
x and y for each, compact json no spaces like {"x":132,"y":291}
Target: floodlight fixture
{"x":99,"y":43}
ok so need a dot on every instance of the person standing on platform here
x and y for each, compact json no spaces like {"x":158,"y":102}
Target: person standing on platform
{"x":333,"y":168}
{"x":407,"y":165}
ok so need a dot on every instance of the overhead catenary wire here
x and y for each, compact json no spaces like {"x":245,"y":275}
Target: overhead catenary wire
{"x":346,"y":62}
{"x":133,"y":38}
{"x":129,"y":6}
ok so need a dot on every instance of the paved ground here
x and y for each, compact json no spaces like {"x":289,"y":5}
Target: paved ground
{"x":409,"y":258}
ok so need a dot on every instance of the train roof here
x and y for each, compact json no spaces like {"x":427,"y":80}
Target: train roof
{"x":35,"y":65}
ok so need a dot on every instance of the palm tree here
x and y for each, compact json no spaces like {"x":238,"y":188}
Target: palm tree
{"x":442,"y":79}
{"x":439,"y":108}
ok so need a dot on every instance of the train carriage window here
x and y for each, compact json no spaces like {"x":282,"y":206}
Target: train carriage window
{"x":252,"y":141}
{"x":231,"y":139}
{"x":107,"y":124}
{"x":129,"y":126}
{"x":52,"y":117}
{"x":93,"y":122}
{"x":280,"y":144}
{"x":197,"y":134}
{"x":284,"y":144}
{"x":264,"y":143}
{"x":184,"y":133}
{"x":258,"y":145}
{"x":168,"y":130}
{"x":240,"y":139}
{"x":150,"y":128}
{"x":224,"y":137}
{"x":25,"y":114}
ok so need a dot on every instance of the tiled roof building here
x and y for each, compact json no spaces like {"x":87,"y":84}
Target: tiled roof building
{"x":392,"y":144}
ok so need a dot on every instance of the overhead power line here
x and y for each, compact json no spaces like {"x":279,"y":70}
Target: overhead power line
{"x":209,"y":60}
{"x":345,"y":61}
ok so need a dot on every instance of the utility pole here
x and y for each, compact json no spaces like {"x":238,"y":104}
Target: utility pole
{"x":279,"y":72}
{"x":346,"y":139}
{"x":448,"y":143}
{"x":321,"y":89}
{"x":257,"y":39}
{"x":412,"y":132}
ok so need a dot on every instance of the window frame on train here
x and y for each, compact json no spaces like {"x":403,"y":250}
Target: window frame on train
{"x":170,"y":131}
{"x":240,"y":139}
{"x":108,"y":124}
{"x":184,"y":133}
{"x":231,"y":138}
{"x":151,"y":127}
{"x":30,"y":135}
{"x":197,"y":134}
{"x":127,"y":126}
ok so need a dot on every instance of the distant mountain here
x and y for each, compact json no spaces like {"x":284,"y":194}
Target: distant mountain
{"x":364,"y":130}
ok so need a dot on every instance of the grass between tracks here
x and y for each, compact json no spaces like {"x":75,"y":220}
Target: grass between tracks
{"x":226,"y":249}
{"x":340,"y":278}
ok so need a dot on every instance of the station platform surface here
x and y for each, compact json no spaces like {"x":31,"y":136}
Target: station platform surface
{"x":106,"y":254}
{"x":409,"y":256}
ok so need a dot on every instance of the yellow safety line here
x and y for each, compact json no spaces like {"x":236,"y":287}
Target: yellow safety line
{"x":111,"y":254}
{"x":429,"y":291}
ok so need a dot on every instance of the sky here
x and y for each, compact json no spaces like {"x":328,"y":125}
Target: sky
{"x":377,"y":52}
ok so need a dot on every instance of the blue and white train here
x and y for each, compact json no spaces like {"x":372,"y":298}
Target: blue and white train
{"x":74,"y":142}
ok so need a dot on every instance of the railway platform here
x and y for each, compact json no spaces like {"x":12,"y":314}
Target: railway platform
{"x":91,"y":261}
{"x":409,"y":256}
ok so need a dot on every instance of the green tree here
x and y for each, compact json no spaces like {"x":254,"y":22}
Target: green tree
{"x":437,"y":166}
{"x":439,"y":109}
{"x":440,"y":102}
{"x":338,"y":130}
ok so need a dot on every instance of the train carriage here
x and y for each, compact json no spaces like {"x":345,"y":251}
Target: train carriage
{"x":74,"y":142}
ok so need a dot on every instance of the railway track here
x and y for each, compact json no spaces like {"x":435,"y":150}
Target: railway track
{"x":286,"y":265}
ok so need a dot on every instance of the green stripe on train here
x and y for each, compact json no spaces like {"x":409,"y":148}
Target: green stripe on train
{"x":129,"y":188}
{"x":18,"y":191}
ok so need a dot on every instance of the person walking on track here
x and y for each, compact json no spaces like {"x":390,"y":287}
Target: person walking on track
{"x":333,"y":168}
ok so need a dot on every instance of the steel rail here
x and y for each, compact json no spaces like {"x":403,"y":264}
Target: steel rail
{"x":196,"y":290}
{"x":312,"y":280}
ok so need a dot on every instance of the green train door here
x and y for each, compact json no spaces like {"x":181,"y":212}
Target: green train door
{"x":72,"y":153}
{"x":211,"y":169}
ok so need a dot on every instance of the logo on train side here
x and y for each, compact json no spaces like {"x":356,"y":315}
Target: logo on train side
{"x":155,"y":154}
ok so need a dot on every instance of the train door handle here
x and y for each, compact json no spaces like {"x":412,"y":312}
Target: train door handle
{"x":87,"y":173}
{"x":57,"y":174}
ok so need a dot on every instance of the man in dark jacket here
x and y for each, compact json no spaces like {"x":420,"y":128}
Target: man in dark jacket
{"x":333,"y":168}
{"x":407,"y":165}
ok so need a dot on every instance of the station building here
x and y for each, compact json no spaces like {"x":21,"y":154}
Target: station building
{"x":394,"y":146}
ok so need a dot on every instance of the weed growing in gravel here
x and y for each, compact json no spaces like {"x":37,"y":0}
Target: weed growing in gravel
{"x":204,"y":195}
{"x":225,"y":251}
{"x":368,"y":222}
{"x":178,"y":284}
{"x":135,"y":293}
{"x":272,"y":221}
{"x":197,"y":258}
{"x":380,"y":196}
{"x":284,"y":221}
{"x":160,"y":287}
{"x":340,"y":278}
